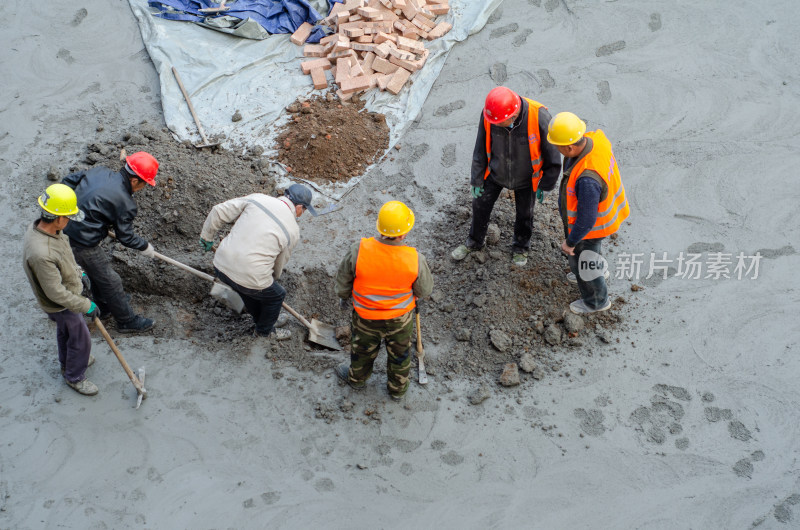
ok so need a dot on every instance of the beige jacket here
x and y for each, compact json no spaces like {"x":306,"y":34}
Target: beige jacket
{"x":52,"y":271}
{"x":261,"y":241}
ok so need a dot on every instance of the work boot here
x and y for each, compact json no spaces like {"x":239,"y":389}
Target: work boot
{"x":572,"y":279}
{"x":520,"y":260}
{"x":282,"y":334}
{"x":137,"y":325}
{"x":91,"y":362}
{"x":579,"y":307}
{"x":461,"y":252}
{"x":343,"y":371}
{"x":283,"y":319}
{"x":85,"y":387}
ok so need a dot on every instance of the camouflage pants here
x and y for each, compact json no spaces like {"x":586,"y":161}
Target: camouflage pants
{"x":366,"y":343}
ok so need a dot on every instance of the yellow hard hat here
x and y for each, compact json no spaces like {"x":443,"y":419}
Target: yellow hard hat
{"x":565,"y":128}
{"x":60,"y":200}
{"x":395,"y":219}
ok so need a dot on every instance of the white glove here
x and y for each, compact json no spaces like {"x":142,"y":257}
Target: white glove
{"x":149,"y":251}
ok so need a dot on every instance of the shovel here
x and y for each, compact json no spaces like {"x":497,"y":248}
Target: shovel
{"x":423,"y":375}
{"x":318,"y":332}
{"x":138,"y":382}
{"x":219,"y":291}
{"x":205,"y":143}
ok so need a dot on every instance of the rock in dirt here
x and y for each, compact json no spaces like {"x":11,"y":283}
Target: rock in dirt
{"x":500,"y":340}
{"x":53,"y":174}
{"x":294,"y":107}
{"x":463,"y":334}
{"x":552,"y":335}
{"x":527,"y":363}
{"x":479,"y":395}
{"x":573,"y":323}
{"x":237,"y":116}
{"x":492,"y":234}
{"x":510,"y":375}
{"x":538,"y":373}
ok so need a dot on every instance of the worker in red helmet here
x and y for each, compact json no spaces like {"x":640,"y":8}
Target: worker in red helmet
{"x":511,"y":152}
{"x":106,"y":197}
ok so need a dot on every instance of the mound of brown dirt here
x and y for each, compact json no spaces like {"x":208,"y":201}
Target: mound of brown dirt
{"x":325,"y":140}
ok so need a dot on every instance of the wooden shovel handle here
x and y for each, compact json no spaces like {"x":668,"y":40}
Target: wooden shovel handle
{"x":199,"y":274}
{"x":420,"y":349}
{"x":135,"y":380}
{"x":297,"y":315}
{"x":189,"y":103}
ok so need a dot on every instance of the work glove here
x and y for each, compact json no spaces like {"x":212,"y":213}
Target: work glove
{"x":344,"y":303}
{"x":207,"y":245}
{"x":93,"y":312}
{"x":87,"y":285}
{"x":149,"y":251}
{"x":540,"y":196}
{"x":476,"y":191}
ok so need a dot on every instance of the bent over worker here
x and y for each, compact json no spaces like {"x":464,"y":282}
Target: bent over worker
{"x":106,"y":197}
{"x":251,"y":258}
{"x":511,"y":151}
{"x":56,"y":281}
{"x":384,"y":277}
{"x":592,"y":204}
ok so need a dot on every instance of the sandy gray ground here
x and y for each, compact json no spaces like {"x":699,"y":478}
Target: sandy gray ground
{"x":693,"y":424}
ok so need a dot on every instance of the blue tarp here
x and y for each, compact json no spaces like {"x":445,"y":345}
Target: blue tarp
{"x":275,"y":16}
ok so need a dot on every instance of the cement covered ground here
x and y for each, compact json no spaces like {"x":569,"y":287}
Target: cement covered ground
{"x":689,"y":421}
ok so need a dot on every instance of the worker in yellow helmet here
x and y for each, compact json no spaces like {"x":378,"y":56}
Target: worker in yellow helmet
{"x":384,"y":277}
{"x":56,"y":282}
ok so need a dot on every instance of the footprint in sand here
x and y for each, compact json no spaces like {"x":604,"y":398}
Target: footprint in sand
{"x":79,"y":16}
{"x":591,"y":421}
{"x":603,"y":92}
{"x":663,"y":417}
{"x":449,"y":155}
{"x":451,"y":458}
{"x":608,"y":49}
{"x":655,"y":22}
{"x":520,"y":39}
{"x":504,"y":30}
{"x":445,"y":110}
{"x":324,"y":484}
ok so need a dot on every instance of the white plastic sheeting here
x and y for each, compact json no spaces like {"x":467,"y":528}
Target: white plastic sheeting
{"x":224,"y":74}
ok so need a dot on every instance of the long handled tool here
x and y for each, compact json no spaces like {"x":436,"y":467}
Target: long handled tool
{"x":423,"y":375}
{"x":219,"y":291}
{"x":205,"y":143}
{"x":138,"y":382}
{"x":318,"y":332}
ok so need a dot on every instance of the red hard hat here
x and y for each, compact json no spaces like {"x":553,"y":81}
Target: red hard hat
{"x":144,"y":165}
{"x":501,"y":104}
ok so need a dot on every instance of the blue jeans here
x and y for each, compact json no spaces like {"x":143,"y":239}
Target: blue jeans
{"x":594,"y":293}
{"x":263,"y":305}
{"x":74,"y":344}
{"x":482,"y":210}
{"x":107,"y":290}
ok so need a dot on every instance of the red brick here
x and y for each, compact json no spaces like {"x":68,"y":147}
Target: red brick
{"x":400,"y":54}
{"x":313,"y":50}
{"x":410,"y":45}
{"x":439,"y":9}
{"x":365,"y":39}
{"x":368,"y":12}
{"x":319,"y":79}
{"x":325,"y":40}
{"x":397,"y":81}
{"x":383,"y":66}
{"x":352,"y":33}
{"x":383,"y":81}
{"x":382,"y":50}
{"x":300,"y":36}
{"x":366,"y":64}
{"x":353,"y":84}
{"x":307,"y":66}
{"x":363,"y":47}
{"x":440,"y":30}
{"x":383,"y":37}
{"x":343,"y":96}
{"x":399,"y":3}
{"x":423,"y":23}
{"x":342,"y":70}
{"x":356,"y":70}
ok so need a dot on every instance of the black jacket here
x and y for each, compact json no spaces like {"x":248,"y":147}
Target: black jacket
{"x":511,"y":155}
{"x":106,"y":197}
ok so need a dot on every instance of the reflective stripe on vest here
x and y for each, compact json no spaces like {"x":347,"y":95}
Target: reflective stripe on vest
{"x":534,"y":142}
{"x":382,"y":288}
{"x":612,"y":211}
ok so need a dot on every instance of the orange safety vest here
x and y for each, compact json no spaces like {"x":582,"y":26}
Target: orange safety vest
{"x":384,"y":276}
{"x":612,"y":210}
{"x":533,"y":142}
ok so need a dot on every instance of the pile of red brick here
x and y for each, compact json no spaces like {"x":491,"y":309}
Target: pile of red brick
{"x":376,"y":43}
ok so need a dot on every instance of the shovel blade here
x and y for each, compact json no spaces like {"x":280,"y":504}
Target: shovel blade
{"x":323,"y":334}
{"x":228,"y":297}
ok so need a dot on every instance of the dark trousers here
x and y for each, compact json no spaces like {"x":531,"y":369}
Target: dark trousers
{"x":263,"y":305}
{"x":74,"y":344}
{"x":107,"y":290}
{"x":482,"y":210}
{"x":367,"y":338}
{"x":594,"y":292}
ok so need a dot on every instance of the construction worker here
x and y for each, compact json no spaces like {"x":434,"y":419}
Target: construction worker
{"x":592,"y":205}
{"x":385,"y":278}
{"x":106,"y":197}
{"x":510,"y":152}
{"x":56,"y":281}
{"x":251,"y":258}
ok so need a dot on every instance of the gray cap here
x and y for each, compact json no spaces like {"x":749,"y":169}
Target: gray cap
{"x":299,"y":194}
